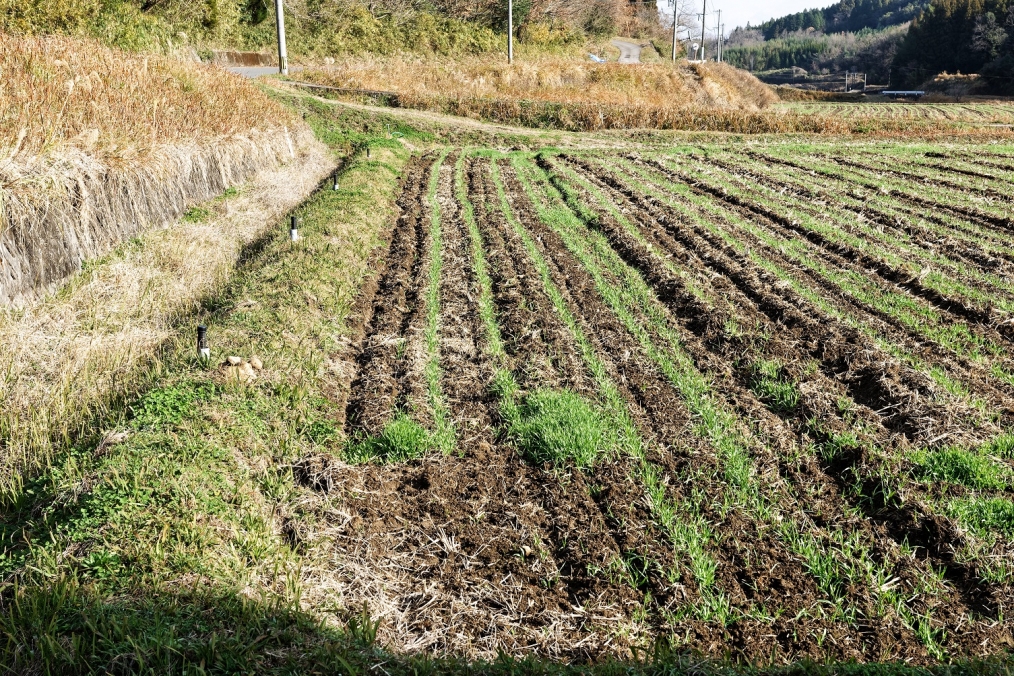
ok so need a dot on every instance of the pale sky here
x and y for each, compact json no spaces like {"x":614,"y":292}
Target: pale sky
{"x":738,"y":12}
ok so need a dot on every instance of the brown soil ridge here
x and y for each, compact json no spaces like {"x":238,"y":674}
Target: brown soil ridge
{"x":390,"y":344}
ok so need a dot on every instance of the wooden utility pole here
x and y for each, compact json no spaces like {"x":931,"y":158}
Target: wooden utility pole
{"x":510,"y":31}
{"x":719,"y":57}
{"x":283,"y":59}
{"x":675,"y":23}
{"x":704,"y":21}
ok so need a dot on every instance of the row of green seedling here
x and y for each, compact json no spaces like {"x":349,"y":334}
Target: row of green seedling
{"x":682,"y":522}
{"x":912,"y":313}
{"x":913,"y":257}
{"x":403,"y":438}
{"x":643,"y":315}
{"x":726,"y":225}
{"x":977,"y":466}
{"x":826,"y":567}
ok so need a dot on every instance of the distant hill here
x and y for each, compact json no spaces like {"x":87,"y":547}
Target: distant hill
{"x":960,"y":36}
{"x":846,"y":16}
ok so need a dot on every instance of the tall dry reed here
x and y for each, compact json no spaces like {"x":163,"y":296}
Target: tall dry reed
{"x":115,"y":105}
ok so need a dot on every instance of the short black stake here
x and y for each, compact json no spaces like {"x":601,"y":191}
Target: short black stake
{"x":293,"y":230}
{"x":203,"y":351}
{"x":335,"y":178}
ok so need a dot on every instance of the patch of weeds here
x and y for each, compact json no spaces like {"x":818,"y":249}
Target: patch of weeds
{"x":638,"y":568}
{"x":102,"y":565}
{"x":985,"y":515}
{"x":732,"y":329}
{"x":1002,"y":446}
{"x":401,"y":439}
{"x":960,"y":466}
{"x":170,"y":405}
{"x":560,"y":427}
{"x":196,"y":215}
{"x":321,"y":431}
{"x":771,"y":385}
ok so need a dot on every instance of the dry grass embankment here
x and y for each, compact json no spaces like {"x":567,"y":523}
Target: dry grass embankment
{"x":96,"y":145}
{"x":570,"y":93}
{"x":60,"y":92}
{"x":562,"y":92}
{"x":554,"y":79}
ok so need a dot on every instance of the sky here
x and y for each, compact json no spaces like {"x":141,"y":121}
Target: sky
{"x":738,"y":12}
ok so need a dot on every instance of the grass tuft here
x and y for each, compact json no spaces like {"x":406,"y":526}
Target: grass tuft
{"x":772,"y":387}
{"x":401,"y":439}
{"x":984,"y":515}
{"x":960,"y":466}
{"x":561,"y":427}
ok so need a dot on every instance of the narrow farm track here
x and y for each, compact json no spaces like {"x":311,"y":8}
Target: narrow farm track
{"x":788,"y":395}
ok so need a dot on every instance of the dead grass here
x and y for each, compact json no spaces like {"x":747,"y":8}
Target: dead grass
{"x":556,"y":79}
{"x":118,"y":107}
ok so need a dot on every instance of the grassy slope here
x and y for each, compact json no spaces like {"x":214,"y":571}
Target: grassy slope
{"x":169,"y":530}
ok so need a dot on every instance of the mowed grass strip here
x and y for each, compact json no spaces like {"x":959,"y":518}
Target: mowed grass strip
{"x":837,"y":560}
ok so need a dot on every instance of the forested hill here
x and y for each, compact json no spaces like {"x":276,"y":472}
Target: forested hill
{"x":846,"y":16}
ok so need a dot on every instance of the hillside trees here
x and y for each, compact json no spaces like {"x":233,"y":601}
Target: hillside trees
{"x":846,"y":16}
{"x":867,"y":51}
{"x":315,"y":26}
{"x":967,"y":36}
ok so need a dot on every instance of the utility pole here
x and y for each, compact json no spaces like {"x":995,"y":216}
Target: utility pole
{"x":675,"y":23}
{"x":510,"y":31}
{"x":719,"y":41}
{"x":283,"y":59}
{"x":704,"y":21}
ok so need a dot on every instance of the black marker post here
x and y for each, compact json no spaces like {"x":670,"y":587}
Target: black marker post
{"x":293,"y":230}
{"x":203,"y":351}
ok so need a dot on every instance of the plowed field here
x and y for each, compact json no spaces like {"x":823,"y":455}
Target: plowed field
{"x":752,"y":400}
